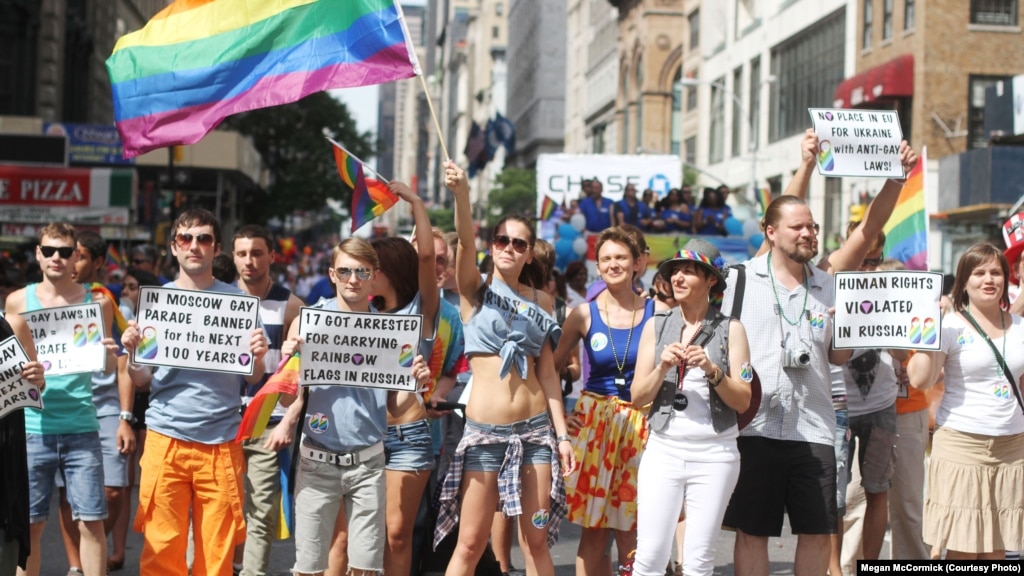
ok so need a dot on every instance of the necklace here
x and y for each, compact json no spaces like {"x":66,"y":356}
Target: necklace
{"x":683,"y":366}
{"x":1000,"y":360}
{"x":620,"y":381}
{"x":775,"y":292}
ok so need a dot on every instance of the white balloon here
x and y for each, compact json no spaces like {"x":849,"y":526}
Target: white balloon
{"x":578,"y":222}
{"x":579,"y":246}
{"x":750,"y":227}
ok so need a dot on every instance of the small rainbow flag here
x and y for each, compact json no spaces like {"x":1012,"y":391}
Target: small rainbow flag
{"x":114,"y":258}
{"x":547,"y":209}
{"x":199,"y":61}
{"x":370,"y":197}
{"x":257,"y":414}
{"x":906,"y":232}
{"x":764,"y":198}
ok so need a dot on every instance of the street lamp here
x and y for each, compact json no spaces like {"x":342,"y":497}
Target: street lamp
{"x":751,"y":121}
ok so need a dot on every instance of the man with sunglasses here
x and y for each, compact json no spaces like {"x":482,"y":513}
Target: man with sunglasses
{"x":63,"y":437}
{"x":191,"y":462}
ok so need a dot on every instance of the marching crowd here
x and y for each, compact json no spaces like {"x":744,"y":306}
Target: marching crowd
{"x":712,"y":399}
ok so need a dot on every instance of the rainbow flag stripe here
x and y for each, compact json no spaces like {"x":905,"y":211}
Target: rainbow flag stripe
{"x":906,"y":232}
{"x":764,"y":198}
{"x":200,"y":61}
{"x":547,"y":209}
{"x":370,"y":197}
{"x":257,"y":414}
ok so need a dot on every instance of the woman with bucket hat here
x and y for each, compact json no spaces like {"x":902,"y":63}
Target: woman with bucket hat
{"x":694,"y":364}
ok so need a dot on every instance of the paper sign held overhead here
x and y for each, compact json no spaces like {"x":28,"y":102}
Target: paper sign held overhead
{"x":15,"y":391}
{"x":863,"y":143}
{"x":896,"y":309}
{"x":196,"y":330}
{"x":69,"y":339}
{"x":358,"y":349}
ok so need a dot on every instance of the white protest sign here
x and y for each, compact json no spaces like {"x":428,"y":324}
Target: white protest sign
{"x":196,"y":330}
{"x":858,"y":142}
{"x":895,"y":309}
{"x":358,"y":349}
{"x":15,"y":392}
{"x":69,"y":338}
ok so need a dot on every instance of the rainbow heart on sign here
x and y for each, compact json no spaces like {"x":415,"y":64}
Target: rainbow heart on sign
{"x":148,"y":346}
{"x":78,"y":338}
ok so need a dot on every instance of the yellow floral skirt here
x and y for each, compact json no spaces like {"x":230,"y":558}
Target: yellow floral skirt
{"x":608,"y":446}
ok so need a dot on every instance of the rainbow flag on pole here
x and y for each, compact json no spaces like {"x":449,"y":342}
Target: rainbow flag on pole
{"x":370,"y":197}
{"x":764,"y":198}
{"x":199,"y":61}
{"x":906,"y":232}
{"x":547,"y":208}
{"x":257,"y":414}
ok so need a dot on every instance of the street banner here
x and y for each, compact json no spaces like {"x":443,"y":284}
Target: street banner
{"x":894,"y":309}
{"x":196,"y":330}
{"x":858,"y":142}
{"x":560,"y":176}
{"x":358,"y":349}
{"x":69,"y":338}
{"x":15,"y":391}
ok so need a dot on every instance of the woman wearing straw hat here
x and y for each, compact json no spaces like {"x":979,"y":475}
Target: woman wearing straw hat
{"x":694,"y":364}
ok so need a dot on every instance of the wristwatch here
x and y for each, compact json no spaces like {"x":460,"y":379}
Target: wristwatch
{"x":127,"y":417}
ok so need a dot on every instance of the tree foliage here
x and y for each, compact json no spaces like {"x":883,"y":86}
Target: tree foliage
{"x":515,"y":193}
{"x":291,"y":141}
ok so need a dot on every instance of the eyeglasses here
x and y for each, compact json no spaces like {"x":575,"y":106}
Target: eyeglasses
{"x":64,"y":251}
{"x":362,"y":273}
{"x":501,"y":242}
{"x":871,"y":262}
{"x":184,"y":239}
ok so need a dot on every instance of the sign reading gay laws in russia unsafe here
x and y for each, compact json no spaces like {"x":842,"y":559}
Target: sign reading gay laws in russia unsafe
{"x":358,"y":349}
{"x":895,"y":309}
{"x":195,"y":329}
{"x":15,"y":391}
{"x":858,"y":142}
{"x":69,"y":339}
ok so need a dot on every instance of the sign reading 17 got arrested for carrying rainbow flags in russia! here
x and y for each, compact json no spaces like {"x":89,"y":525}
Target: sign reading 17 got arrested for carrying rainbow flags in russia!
{"x":858,"y":142}
{"x":196,"y":330}
{"x":15,"y":391}
{"x":358,"y":349}
{"x":69,"y":339}
{"x":896,"y":309}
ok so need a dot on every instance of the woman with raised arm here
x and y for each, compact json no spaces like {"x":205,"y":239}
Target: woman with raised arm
{"x":516,"y":401}
{"x":610,"y":430}
{"x":973,"y":499}
{"x":694,"y":365}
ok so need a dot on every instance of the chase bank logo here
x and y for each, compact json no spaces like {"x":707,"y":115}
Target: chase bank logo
{"x":660,"y":184}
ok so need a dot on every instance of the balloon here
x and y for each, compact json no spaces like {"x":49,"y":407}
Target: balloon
{"x":567,"y":232}
{"x":751,"y":226}
{"x":564,"y":253}
{"x":579,"y":246}
{"x":733,"y":227}
{"x":578,"y":222}
{"x":756,"y":240}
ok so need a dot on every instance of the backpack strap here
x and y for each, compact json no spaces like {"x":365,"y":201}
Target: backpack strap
{"x":737,"y":294}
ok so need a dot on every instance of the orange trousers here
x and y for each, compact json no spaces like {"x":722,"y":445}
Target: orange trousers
{"x":179,"y":477}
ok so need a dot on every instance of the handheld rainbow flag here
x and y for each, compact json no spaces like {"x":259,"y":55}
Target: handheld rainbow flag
{"x":114,"y":259}
{"x":199,"y":61}
{"x":370,"y":197}
{"x":120,"y":324}
{"x":284,"y":381}
{"x":547,"y":208}
{"x":906,"y":232}
{"x":764,"y":198}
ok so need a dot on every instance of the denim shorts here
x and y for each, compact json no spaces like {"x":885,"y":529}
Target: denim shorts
{"x":115,"y":464}
{"x":79,"y":458}
{"x":489,"y":458}
{"x":873,"y":442}
{"x":409,"y":447}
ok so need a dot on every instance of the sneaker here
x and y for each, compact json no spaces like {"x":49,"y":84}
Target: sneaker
{"x":512,"y":571}
{"x":75,"y":572}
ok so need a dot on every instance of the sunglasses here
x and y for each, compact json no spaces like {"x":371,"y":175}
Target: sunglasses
{"x":184,"y":239}
{"x":137,"y":261}
{"x":64,"y":251}
{"x":501,"y":242}
{"x":361,"y":273}
{"x":871,"y":262}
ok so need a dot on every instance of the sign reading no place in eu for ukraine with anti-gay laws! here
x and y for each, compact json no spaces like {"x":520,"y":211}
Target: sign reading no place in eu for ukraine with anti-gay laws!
{"x":69,"y":339}
{"x":196,"y":330}
{"x":358,"y":349}
{"x":894,"y":309}
{"x":863,"y":143}
{"x":15,"y":391}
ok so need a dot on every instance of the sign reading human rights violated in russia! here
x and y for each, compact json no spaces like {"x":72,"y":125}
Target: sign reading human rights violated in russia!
{"x":196,"y":330}
{"x":69,"y":339}
{"x":896,"y":309}
{"x":358,"y":349}
{"x":15,"y":391}
{"x":858,"y":142}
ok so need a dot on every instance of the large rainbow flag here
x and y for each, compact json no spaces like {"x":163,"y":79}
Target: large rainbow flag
{"x":257,"y":414}
{"x":370,"y":197}
{"x":199,"y":61}
{"x":906,"y":232}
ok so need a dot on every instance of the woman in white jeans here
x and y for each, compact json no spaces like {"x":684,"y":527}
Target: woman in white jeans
{"x":694,"y":364}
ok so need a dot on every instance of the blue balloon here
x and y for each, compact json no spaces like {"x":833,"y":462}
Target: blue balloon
{"x":564,"y":254}
{"x":756,"y":240}
{"x":733,"y":227}
{"x":567,"y":232}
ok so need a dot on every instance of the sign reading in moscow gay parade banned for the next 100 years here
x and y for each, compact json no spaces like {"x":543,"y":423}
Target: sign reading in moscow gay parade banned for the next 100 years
{"x":69,"y":339}
{"x":858,"y":142}
{"x":15,"y":392}
{"x":358,"y":349}
{"x":897,"y":309}
{"x":196,"y":330}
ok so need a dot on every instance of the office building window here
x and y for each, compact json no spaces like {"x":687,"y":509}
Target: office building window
{"x":676,"y":136}
{"x":691,"y":151}
{"x":995,"y":12}
{"x":807,"y":68}
{"x":755,"y":101}
{"x":598,"y":139}
{"x":909,"y":15}
{"x":868,"y":23}
{"x":691,"y":93}
{"x":886,"y":19}
{"x":640,"y":104}
{"x":737,"y":113}
{"x":716,"y":140}
{"x":976,"y":108}
{"x":499,"y":9}
{"x":694,"y":20}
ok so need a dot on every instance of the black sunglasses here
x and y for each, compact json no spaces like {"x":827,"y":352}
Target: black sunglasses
{"x":501,"y":242}
{"x":871,"y":262}
{"x":64,"y":251}
{"x":361,"y":273}
{"x":184,"y":239}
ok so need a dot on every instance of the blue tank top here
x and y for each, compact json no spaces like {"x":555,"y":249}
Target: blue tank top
{"x":67,"y":400}
{"x":603,"y":368}
{"x":711,"y":217}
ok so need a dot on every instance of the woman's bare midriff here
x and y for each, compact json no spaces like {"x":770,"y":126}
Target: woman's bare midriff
{"x":495,"y":401}
{"x":405,"y":407}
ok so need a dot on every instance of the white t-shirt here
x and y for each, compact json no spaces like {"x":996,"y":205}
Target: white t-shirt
{"x":978,"y":398}
{"x":871,"y":383}
{"x":690,"y":432}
